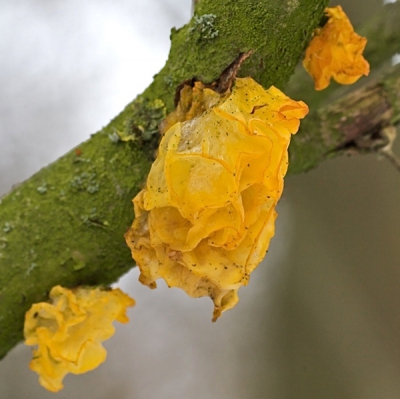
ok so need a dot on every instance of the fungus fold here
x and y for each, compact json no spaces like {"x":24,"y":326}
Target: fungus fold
{"x":335,"y":52}
{"x":68,"y":331}
{"x":206,"y":215}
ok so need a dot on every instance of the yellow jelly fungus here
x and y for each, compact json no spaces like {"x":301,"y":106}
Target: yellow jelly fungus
{"x":206,"y":215}
{"x":336,"y":52}
{"x":193,"y":102}
{"x":69,"y":330}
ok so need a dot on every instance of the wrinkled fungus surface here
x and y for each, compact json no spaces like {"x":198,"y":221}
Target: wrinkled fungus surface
{"x":68,"y":331}
{"x":336,"y":52}
{"x":206,"y":215}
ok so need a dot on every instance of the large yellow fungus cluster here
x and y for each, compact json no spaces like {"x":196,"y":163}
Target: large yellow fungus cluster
{"x":336,"y":52}
{"x":68,"y":332}
{"x":206,"y":215}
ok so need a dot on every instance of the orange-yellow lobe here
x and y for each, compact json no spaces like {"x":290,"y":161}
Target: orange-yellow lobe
{"x":206,"y":216}
{"x":336,"y":52}
{"x":68,"y":331}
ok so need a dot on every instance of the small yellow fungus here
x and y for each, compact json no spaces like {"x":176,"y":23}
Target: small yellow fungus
{"x":336,"y":52}
{"x":68,"y":331}
{"x":206,"y":215}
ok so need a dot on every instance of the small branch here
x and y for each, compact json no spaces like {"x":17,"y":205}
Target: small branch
{"x":383,"y":33}
{"x":357,"y":123}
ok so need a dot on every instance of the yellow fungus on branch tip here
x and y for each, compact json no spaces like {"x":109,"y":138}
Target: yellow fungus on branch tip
{"x":68,"y":331}
{"x":206,"y":216}
{"x":335,"y":52}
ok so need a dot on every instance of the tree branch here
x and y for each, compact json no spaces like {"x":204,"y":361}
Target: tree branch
{"x":383,"y":34}
{"x":320,"y":136}
{"x":353,"y":122}
{"x":65,"y":224}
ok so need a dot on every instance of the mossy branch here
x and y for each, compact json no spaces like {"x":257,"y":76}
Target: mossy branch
{"x":383,"y":33}
{"x":65,"y":225}
{"x":342,"y":115}
{"x":354,"y":123}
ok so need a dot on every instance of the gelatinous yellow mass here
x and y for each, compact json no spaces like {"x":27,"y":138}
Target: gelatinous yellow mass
{"x":206,"y":216}
{"x":68,"y":331}
{"x":336,"y":52}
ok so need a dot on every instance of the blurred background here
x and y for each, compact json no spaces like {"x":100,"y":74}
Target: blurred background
{"x":320,"y":318}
